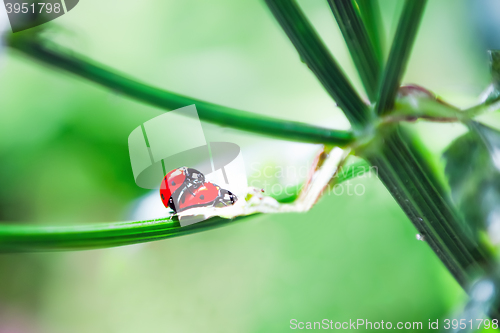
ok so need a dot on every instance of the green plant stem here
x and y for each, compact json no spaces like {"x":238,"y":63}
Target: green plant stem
{"x":487,"y":106}
{"x":225,"y":116}
{"x":400,"y":54}
{"x":411,"y":181}
{"x":24,"y":238}
{"x":359,"y":44}
{"x":317,"y":57}
{"x":370,"y":13}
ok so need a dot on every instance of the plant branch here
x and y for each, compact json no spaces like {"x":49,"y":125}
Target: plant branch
{"x":487,"y":106}
{"x":23,"y":238}
{"x":360,"y":46}
{"x":225,"y":116}
{"x":370,"y":13}
{"x":400,"y":54}
{"x":317,"y":57}
{"x":412,"y":183}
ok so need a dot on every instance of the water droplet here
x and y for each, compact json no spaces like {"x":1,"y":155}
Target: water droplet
{"x":483,"y":291}
{"x":420,"y":237}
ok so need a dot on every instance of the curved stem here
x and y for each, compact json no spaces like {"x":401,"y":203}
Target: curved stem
{"x":22,"y":238}
{"x":225,"y":116}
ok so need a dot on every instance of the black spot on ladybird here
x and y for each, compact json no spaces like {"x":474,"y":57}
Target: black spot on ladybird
{"x":172,"y":183}
{"x":162,"y":197}
{"x":202,"y":197}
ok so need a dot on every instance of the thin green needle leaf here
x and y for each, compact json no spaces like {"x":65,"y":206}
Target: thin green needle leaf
{"x":370,"y":13}
{"x":225,"y":116}
{"x":472,"y":167}
{"x":400,"y":53}
{"x":24,"y":238}
{"x":317,"y":57}
{"x":359,"y":44}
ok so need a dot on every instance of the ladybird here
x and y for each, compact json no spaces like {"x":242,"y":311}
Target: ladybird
{"x":180,"y":179}
{"x":207,"y":195}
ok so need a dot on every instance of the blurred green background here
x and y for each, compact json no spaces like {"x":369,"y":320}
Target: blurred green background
{"x":64,"y":160}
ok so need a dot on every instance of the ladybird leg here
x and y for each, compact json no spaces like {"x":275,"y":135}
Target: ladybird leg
{"x":190,"y":191}
{"x":189,"y":187}
{"x":217,"y":201}
{"x":171,"y":205}
{"x":179,"y":198}
{"x":182,"y":191}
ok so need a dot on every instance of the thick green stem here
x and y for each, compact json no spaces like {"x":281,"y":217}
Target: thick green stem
{"x":317,"y":57}
{"x":247,"y":121}
{"x":400,"y":54}
{"x":411,"y":181}
{"x":360,"y":46}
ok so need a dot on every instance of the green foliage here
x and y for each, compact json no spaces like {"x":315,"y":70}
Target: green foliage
{"x":410,"y":180}
{"x":376,"y":136}
{"x":495,"y":67}
{"x":19,"y":238}
{"x":472,"y":167}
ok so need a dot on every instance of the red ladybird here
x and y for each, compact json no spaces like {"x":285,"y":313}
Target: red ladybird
{"x":179,"y":179}
{"x":206,"y":195}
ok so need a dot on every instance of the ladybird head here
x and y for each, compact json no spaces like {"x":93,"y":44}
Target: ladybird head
{"x":228,"y":197}
{"x":194,"y":176}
